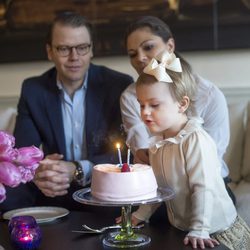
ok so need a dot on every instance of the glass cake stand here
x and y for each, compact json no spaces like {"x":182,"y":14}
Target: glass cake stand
{"x":126,"y":237}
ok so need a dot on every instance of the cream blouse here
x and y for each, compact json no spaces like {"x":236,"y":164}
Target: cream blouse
{"x":188,"y":163}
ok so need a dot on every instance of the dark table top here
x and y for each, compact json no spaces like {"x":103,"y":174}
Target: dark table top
{"x":57,"y":235}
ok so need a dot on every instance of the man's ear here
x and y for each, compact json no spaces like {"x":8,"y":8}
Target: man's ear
{"x":91,"y":52}
{"x":49,"y":52}
{"x":184,"y":104}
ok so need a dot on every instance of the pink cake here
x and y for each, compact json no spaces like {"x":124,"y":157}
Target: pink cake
{"x":110,"y":184}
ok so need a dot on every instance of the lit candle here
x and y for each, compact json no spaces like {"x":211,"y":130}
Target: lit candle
{"x":128,"y":156}
{"x":26,"y":238}
{"x":119,"y":153}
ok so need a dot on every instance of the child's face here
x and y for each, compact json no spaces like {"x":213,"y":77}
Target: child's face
{"x":160,"y":111}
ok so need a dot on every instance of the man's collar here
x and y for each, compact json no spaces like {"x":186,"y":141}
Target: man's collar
{"x":83,"y":86}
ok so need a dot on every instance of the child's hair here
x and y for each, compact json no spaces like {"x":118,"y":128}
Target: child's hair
{"x":183,"y":84}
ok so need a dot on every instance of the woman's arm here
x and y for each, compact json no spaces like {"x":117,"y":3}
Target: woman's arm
{"x":137,"y":134}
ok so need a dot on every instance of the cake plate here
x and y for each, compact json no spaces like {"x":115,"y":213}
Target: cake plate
{"x":126,"y":237}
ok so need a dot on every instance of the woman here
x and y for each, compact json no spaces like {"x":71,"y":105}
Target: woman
{"x":145,"y":39}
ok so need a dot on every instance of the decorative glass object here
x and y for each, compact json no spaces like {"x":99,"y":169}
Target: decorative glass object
{"x":21,"y":221}
{"x":25,"y":234}
{"x":126,"y":237}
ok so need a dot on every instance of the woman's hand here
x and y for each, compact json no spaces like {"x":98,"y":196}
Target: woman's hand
{"x":200,"y":243}
{"x":141,"y":156}
{"x":134,"y":220}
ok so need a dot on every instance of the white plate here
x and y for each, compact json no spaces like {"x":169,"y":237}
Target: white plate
{"x":41,"y":214}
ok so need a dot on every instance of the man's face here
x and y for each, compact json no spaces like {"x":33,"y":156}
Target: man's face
{"x":72,"y":68}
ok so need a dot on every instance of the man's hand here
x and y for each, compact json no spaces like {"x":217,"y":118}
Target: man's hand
{"x":54,"y":157}
{"x":53,"y":176}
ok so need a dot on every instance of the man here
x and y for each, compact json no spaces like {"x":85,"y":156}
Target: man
{"x":72,"y":111}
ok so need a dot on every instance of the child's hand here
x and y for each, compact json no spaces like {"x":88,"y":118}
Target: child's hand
{"x":134,"y":220}
{"x":199,"y":242}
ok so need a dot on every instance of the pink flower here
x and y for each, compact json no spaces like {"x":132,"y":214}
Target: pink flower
{"x":28,"y":156}
{"x":2,"y":193}
{"x":28,"y":172}
{"x":7,"y":139}
{"x":16,"y":165}
{"x":7,"y":153}
{"x":9,"y":174}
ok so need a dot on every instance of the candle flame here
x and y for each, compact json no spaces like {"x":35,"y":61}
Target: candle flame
{"x":26,"y":238}
{"x":118,"y":145}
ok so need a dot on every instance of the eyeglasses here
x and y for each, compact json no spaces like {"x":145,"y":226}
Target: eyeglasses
{"x":81,"y":49}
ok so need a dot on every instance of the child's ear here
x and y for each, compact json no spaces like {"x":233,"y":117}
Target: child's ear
{"x":184,"y":104}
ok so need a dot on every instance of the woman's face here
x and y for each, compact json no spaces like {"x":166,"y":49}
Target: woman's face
{"x":143,"y":45}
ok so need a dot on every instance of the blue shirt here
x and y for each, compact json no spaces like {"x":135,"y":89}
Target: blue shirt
{"x":73,"y":114}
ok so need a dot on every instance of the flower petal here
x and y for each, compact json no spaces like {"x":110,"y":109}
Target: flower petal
{"x":28,"y":156}
{"x":9,"y":174}
{"x":2,"y":193}
{"x":7,"y":153}
{"x":28,"y":173}
{"x":7,"y":139}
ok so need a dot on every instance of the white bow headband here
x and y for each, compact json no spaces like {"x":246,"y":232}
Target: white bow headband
{"x":158,"y":70}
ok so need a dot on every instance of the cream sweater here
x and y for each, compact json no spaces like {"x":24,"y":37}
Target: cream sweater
{"x":188,"y":163}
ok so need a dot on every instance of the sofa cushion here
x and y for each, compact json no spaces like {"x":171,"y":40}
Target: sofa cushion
{"x":7,"y":119}
{"x":243,"y":200}
{"x":234,"y":154}
{"x":246,"y":152}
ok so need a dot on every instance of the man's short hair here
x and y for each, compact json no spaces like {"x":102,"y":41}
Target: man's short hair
{"x":72,"y":19}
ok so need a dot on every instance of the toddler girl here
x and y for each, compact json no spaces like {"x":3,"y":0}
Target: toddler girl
{"x":184,"y":157}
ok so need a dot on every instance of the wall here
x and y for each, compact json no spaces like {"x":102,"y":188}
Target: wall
{"x":229,"y":70}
